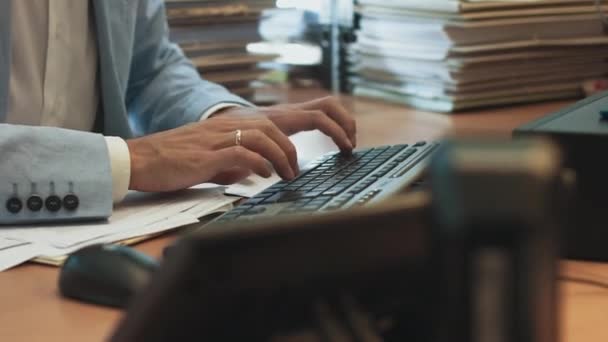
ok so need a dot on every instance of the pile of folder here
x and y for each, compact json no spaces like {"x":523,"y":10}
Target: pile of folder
{"x":449,"y":55}
{"x":215,"y":35}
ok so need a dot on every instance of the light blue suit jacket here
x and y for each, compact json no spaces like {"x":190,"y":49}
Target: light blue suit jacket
{"x":147,"y":85}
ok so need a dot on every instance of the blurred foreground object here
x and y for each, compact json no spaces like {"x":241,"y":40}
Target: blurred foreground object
{"x":581,"y":131}
{"x":498,"y":207}
{"x":473,"y":262}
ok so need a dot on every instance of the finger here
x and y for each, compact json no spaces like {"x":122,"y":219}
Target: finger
{"x":315,"y":119}
{"x":337,"y":112}
{"x":257,"y":141}
{"x":238,"y":156}
{"x":231,"y":176}
{"x":272,"y":131}
{"x":229,"y":138}
{"x":264,"y":125}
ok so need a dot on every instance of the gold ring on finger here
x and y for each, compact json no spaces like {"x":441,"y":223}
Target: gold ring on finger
{"x":238,"y":137}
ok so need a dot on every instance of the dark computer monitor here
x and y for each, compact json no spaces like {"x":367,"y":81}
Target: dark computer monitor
{"x":301,"y":276}
{"x":581,"y":131}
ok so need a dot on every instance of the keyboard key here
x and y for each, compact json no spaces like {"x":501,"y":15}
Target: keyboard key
{"x":284,"y":196}
{"x":299,"y":203}
{"x":321,"y":200}
{"x":333,"y":206}
{"x":357,"y":189}
{"x":255,"y":200}
{"x":312,"y":207}
{"x":312,"y":194}
{"x":254,"y":211}
{"x":344,"y":198}
{"x":403,"y":156}
{"x":333,"y":192}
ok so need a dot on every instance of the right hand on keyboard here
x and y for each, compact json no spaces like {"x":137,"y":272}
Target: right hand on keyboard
{"x":206,"y":151}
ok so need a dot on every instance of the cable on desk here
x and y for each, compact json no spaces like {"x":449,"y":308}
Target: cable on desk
{"x":585,"y":281}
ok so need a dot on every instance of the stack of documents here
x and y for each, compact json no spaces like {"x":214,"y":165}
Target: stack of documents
{"x":215,"y":35}
{"x":449,"y":55}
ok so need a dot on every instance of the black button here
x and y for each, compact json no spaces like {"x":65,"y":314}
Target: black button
{"x":53,"y":203}
{"x":70,"y":202}
{"x":420,"y":144}
{"x":14,"y":205}
{"x":34,"y":203}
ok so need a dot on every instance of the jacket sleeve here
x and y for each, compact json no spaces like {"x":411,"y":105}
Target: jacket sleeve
{"x":52,"y":174}
{"x":165,"y":90}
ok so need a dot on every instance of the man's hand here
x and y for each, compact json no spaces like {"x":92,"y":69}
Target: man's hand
{"x":325,"y":114}
{"x":207,"y":151}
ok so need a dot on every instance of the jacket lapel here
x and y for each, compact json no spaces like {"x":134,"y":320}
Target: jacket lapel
{"x":5,"y":56}
{"x":113,"y":44}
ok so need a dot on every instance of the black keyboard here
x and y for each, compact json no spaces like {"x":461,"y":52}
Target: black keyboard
{"x":335,"y":181}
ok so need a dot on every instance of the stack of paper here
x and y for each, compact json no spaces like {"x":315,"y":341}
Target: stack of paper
{"x":215,"y":34}
{"x":139,"y":215}
{"x":448,"y":55}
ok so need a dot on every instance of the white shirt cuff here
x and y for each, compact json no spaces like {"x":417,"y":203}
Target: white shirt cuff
{"x":213,"y":109}
{"x":120,"y":163}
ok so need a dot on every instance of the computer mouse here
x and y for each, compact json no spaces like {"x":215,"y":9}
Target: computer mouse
{"x":105,"y":274}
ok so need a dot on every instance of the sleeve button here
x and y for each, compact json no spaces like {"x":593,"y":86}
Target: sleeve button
{"x":70,"y":202}
{"x":53,"y":203}
{"x":34,"y":203}
{"x":14,"y":205}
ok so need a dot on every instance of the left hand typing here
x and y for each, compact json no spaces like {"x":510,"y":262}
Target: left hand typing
{"x":325,"y":114}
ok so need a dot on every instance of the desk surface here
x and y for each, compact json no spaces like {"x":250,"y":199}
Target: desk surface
{"x":31,"y":309}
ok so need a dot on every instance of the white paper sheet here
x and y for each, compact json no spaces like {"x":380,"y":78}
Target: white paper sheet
{"x":11,"y":257}
{"x":137,"y":210}
{"x":9,"y":243}
{"x":252,"y":185}
{"x":139,"y":214}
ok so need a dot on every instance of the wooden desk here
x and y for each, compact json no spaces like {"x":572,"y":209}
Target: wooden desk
{"x":31,"y":309}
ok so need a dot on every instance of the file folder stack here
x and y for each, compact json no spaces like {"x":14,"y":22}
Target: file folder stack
{"x":215,"y":34}
{"x":448,"y":55}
